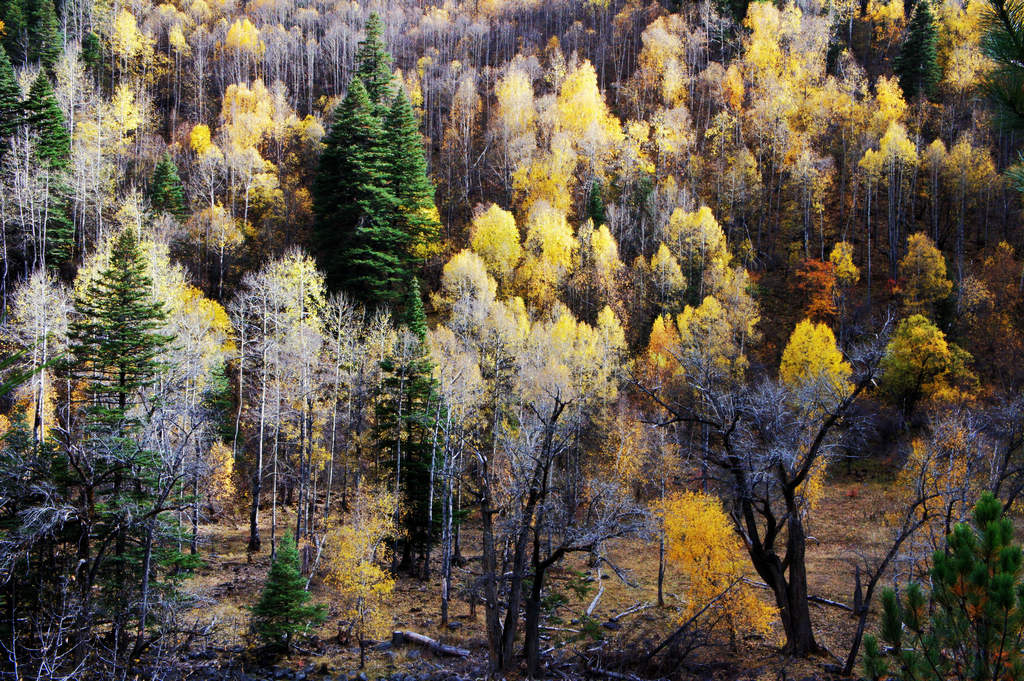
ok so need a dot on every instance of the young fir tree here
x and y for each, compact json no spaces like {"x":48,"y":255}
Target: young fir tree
{"x":282,"y":611}
{"x":595,"y":205}
{"x":917,"y":64}
{"x":10,"y":101}
{"x":373,"y":65}
{"x":92,"y":51}
{"x":166,"y":192}
{"x":361,"y":246}
{"x":406,"y":170}
{"x":971,"y":625}
{"x":115,"y":338}
{"x":406,"y":408}
{"x":53,"y":150}
{"x":44,"y":35}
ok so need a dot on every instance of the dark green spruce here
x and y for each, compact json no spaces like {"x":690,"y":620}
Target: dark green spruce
{"x":53,"y":149}
{"x":166,"y":192}
{"x":362,"y":247}
{"x":373,"y":64}
{"x":372,"y":199}
{"x":282,"y":611}
{"x":44,"y":44}
{"x":917,"y":64}
{"x":406,"y":167}
{"x":406,"y":409}
{"x":10,"y":100}
{"x":116,"y":339}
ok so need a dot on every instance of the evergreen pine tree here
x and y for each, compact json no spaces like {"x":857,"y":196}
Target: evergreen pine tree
{"x":14,"y":14}
{"x":415,"y":316}
{"x":44,"y":35}
{"x":406,"y":168}
{"x":971,"y":625}
{"x":406,"y":408}
{"x":166,"y":193}
{"x":53,"y":149}
{"x":10,"y":100}
{"x":361,"y":246}
{"x":115,"y":338}
{"x":373,"y":64}
{"x":595,"y":206}
{"x":282,"y":611}
{"x":92,"y":52}
{"x":917,"y":64}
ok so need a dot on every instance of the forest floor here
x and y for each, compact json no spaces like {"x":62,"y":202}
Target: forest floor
{"x":845,"y":526}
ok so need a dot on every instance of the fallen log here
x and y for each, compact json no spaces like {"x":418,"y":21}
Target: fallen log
{"x":399,"y":638}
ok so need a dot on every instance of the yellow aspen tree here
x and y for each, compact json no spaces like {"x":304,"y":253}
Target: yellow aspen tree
{"x":888,"y":19}
{"x":130,"y":46}
{"x":662,"y":75}
{"x":968,"y":171}
{"x":893,"y":166}
{"x":494,"y":236}
{"x":847,"y":275}
{"x":923,"y":280}
{"x":961,"y":27}
{"x":355,"y":551}
{"x":549,"y":252}
{"x":513,"y":120}
{"x":703,"y":546}
{"x":889,"y":105}
{"x":220,"y":483}
{"x":933,"y":160}
{"x":812,"y":360}
{"x":243,"y":43}
{"x":465,"y":283}
{"x":698,"y":241}
{"x":667,"y":277}
{"x":921,"y":365}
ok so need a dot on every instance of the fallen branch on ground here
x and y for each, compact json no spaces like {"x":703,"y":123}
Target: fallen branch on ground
{"x":401,"y":637}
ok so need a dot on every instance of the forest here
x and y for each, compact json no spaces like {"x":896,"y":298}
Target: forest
{"x":437,"y":340}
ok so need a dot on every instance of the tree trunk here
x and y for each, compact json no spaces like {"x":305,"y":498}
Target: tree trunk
{"x":790,"y":594}
{"x":531,"y":629}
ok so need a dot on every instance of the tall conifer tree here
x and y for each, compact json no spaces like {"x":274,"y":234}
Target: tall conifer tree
{"x":15,"y":16}
{"x":406,"y":409}
{"x":373,"y":64}
{"x":917,"y":64}
{"x":408,"y":180}
{"x":117,"y":347}
{"x":283,"y":610}
{"x":10,"y":100}
{"x":44,"y":35}
{"x":53,"y":149}
{"x":116,"y":340}
{"x":361,"y":246}
{"x":166,"y":193}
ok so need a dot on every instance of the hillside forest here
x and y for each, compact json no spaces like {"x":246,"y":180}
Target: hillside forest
{"x":615,"y":339}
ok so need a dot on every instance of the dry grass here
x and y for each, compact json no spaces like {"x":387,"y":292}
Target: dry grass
{"x":845,"y":525}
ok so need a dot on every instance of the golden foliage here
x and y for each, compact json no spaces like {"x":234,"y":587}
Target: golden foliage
{"x":923,"y":275}
{"x":355,"y":551}
{"x":702,"y":544}
{"x":921,"y":364}
{"x":495,"y":238}
{"x":841,"y":257}
{"x":811,"y":355}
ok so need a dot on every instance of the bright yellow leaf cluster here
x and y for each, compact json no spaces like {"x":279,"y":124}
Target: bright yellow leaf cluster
{"x":702,"y":545}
